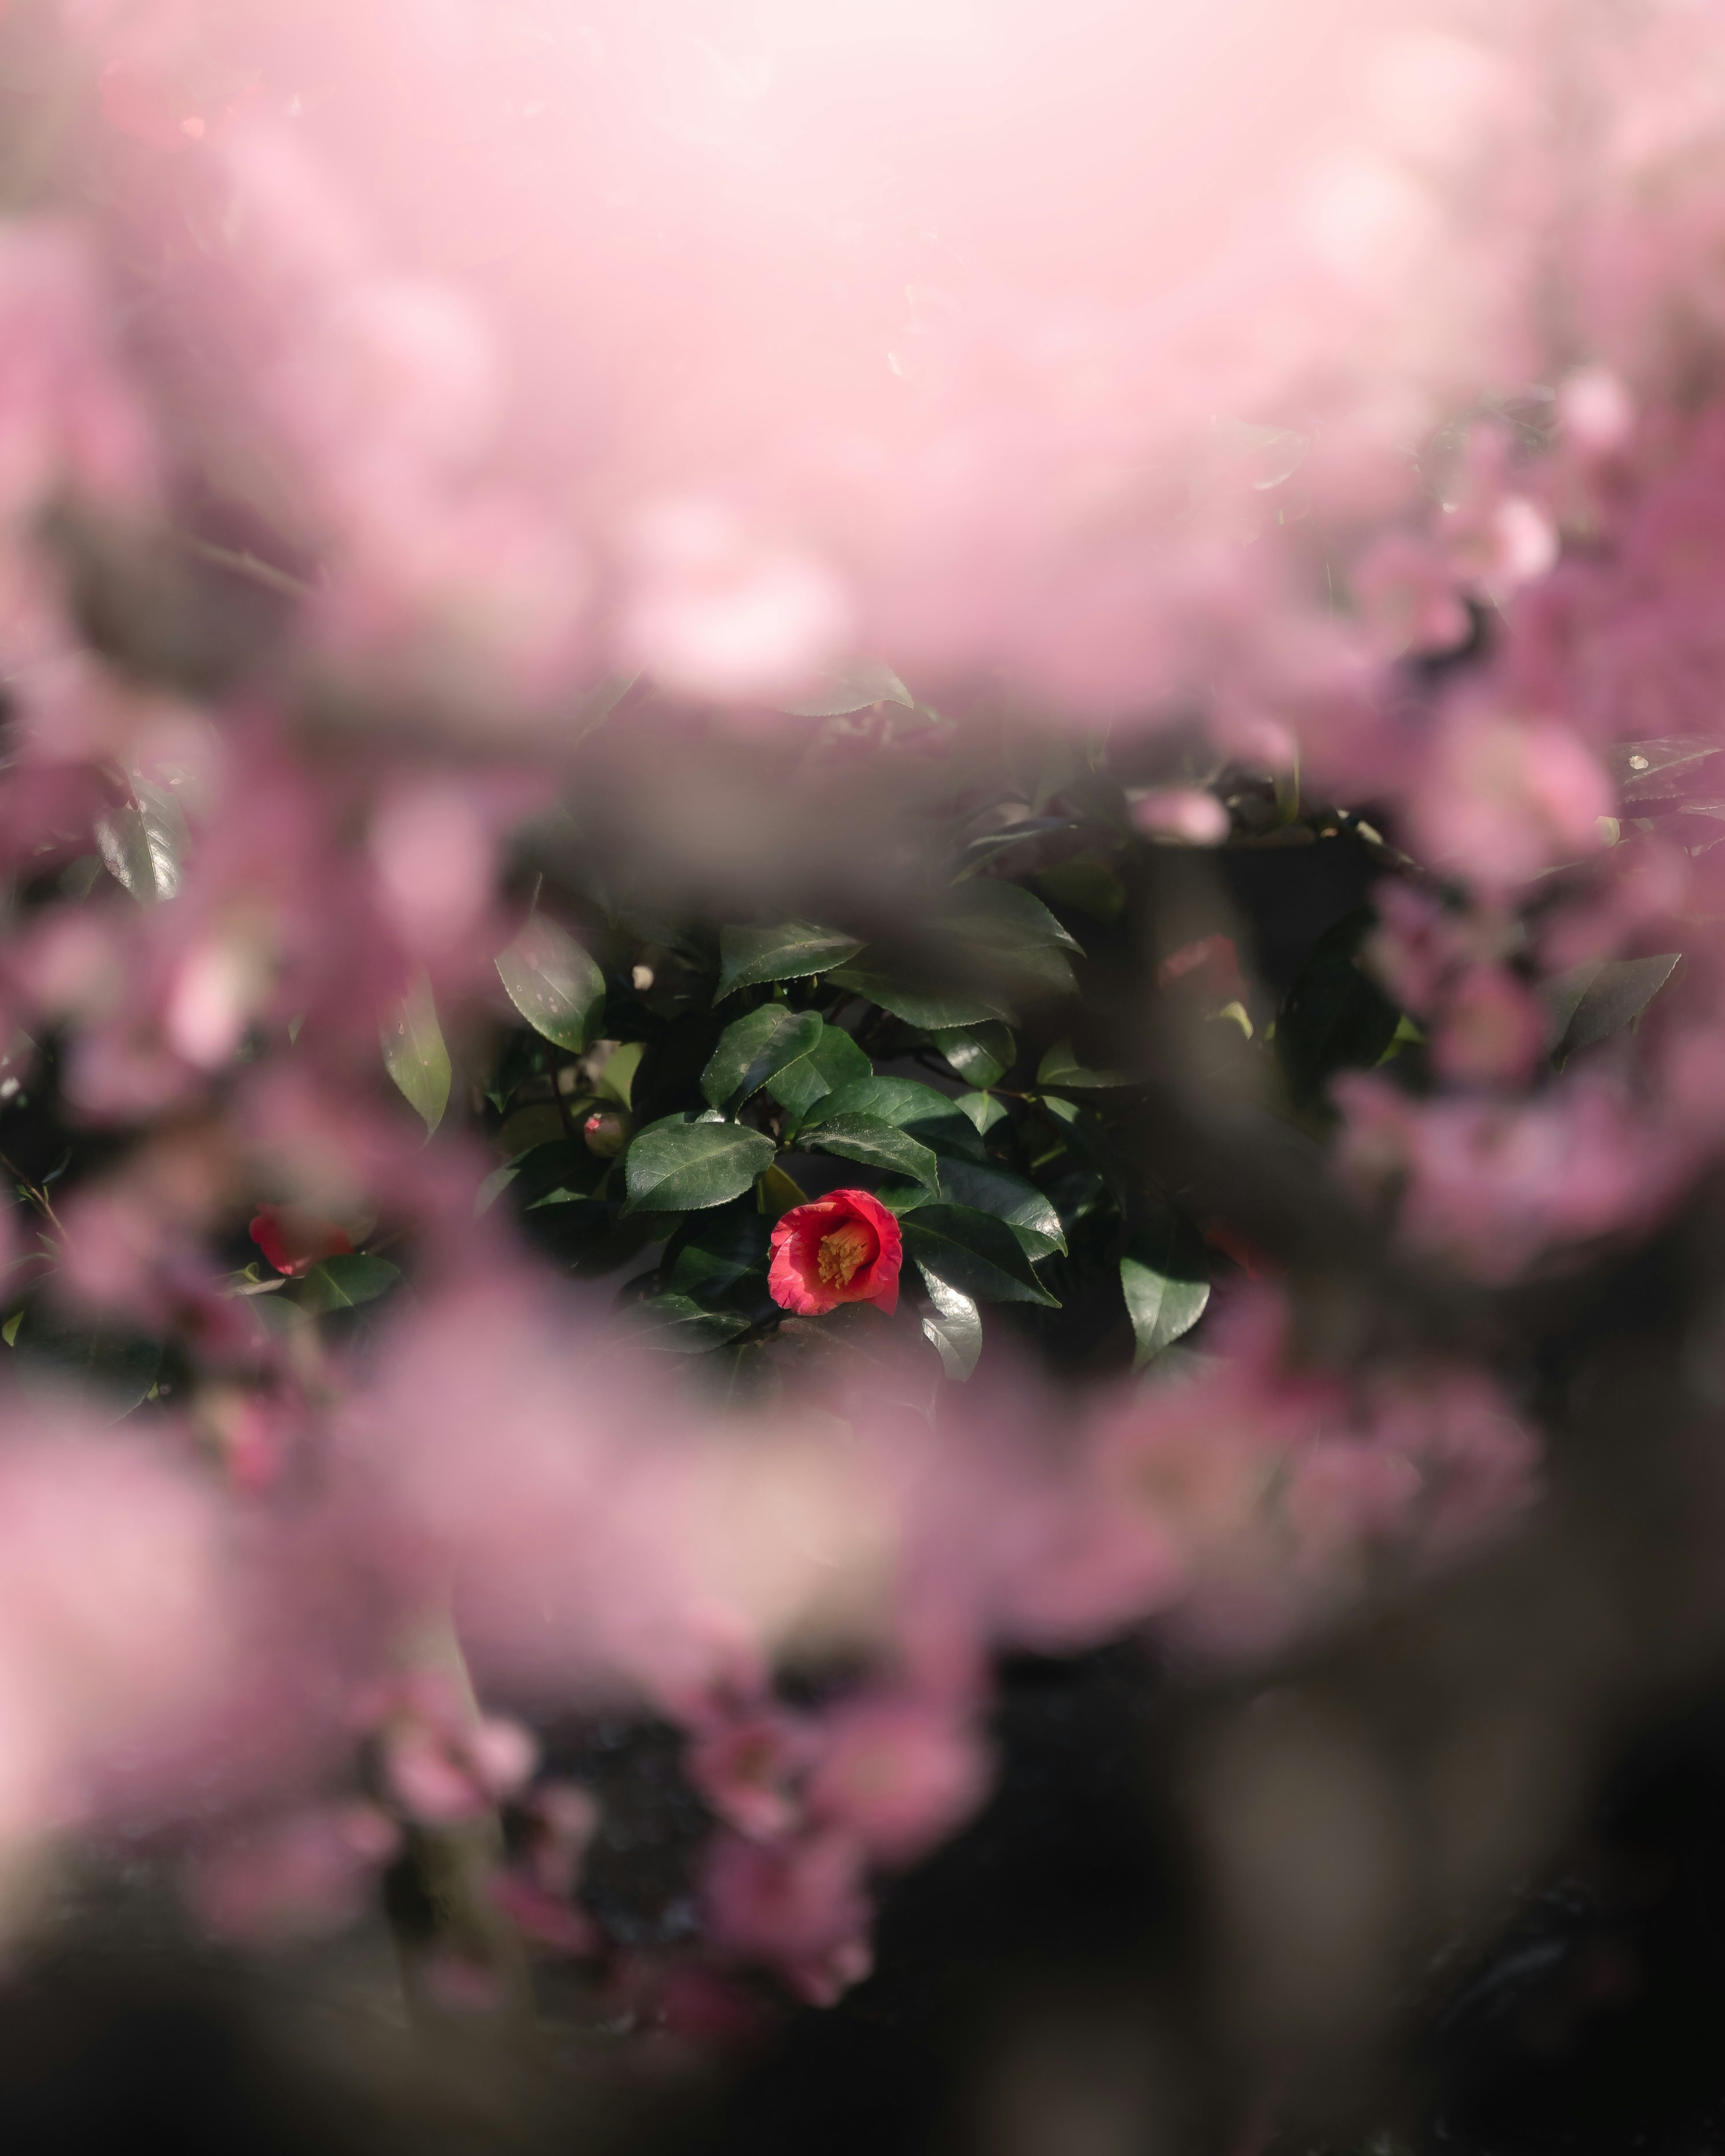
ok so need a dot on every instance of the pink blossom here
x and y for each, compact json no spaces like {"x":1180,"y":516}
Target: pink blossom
{"x":1491,"y":1029}
{"x":1506,"y":798}
{"x":798,"y":1904}
{"x":748,"y":1769}
{"x":900,"y":1775}
{"x":1182,"y":813}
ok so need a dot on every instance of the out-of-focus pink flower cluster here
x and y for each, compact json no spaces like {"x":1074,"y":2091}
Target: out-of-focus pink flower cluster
{"x":1289,"y":370}
{"x":173,"y":1662}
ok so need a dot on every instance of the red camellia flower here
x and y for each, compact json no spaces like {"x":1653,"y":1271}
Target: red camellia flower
{"x":842,"y":1248}
{"x":295,"y":1241}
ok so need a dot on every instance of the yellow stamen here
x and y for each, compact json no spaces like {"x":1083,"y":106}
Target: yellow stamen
{"x":842,"y":1251}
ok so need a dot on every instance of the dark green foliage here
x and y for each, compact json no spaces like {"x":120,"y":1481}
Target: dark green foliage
{"x":1336,"y":1018}
{"x":1600,"y":997}
{"x":1166,"y":1283}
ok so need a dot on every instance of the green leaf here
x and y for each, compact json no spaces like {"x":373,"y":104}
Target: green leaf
{"x":936,"y":1010}
{"x":1009,"y":1198}
{"x":682,"y":1165}
{"x":492,"y":1188}
{"x":709,"y":1255}
{"x":1593,"y":1001}
{"x":617,"y":1078}
{"x":415,"y":1056}
{"x":143,"y":842}
{"x":673,"y":1325}
{"x":877,"y":1144}
{"x":590,"y":711}
{"x":750,"y":957}
{"x":983,"y":1054}
{"x":973,"y":1252}
{"x":113,"y":1372}
{"x":553,"y":983}
{"x":777,"y":1193}
{"x":1004,"y":917}
{"x":1336,"y":1017}
{"x":983,"y":1110}
{"x":953,"y":1326}
{"x":994,"y":846}
{"x":1007,"y":938}
{"x":8,"y":1331}
{"x":1166,"y":1286}
{"x":1089,"y":1142}
{"x":1061,"y":1071}
{"x":1042,"y":763}
{"x":1655,"y":770}
{"x":1088,"y":882}
{"x":555,"y":1172}
{"x":928,"y":1116}
{"x":754,"y":1050}
{"x":852,"y":687}
{"x":343,"y":1283}
{"x":834,"y":1061}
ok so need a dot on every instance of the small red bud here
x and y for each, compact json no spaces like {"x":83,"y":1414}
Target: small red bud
{"x":607,"y":1131}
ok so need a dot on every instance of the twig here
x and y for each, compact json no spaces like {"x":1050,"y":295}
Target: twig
{"x":239,"y":562}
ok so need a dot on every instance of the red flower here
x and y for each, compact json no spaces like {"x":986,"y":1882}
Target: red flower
{"x":1209,"y":968}
{"x":842,"y":1248}
{"x":294,"y":1241}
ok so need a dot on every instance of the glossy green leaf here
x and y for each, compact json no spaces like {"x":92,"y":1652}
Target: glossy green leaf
{"x":1088,"y":882}
{"x":1008,"y":940}
{"x":983,"y":1054}
{"x":991,"y":846}
{"x":1010,"y":1198}
{"x":974,"y":1252}
{"x":834,"y":1061}
{"x":1166,"y":1285}
{"x":852,"y":687}
{"x":983,"y":1110}
{"x":1089,"y":1142}
{"x":1655,"y":770}
{"x":415,"y":1055}
{"x":683,"y":1165}
{"x":588,"y":1237}
{"x":749,"y":957}
{"x":1336,"y":1017}
{"x":590,"y":711}
{"x":711,"y":1255}
{"x":492,"y":1188}
{"x":1061,"y":1071}
{"x":934,"y":1009}
{"x":751,"y":1050}
{"x":555,"y":1172}
{"x":616,"y":1076}
{"x":111,"y":1374}
{"x":777,"y":1193}
{"x":1005,"y":917}
{"x":876,"y":1144}
{"x":929,"y":1117}
{"x":344,"y":1282}
{"x":673,"y":1325}
{"x":143,"y":842}
{"x":1026,"y":1210}
{"x":952,"y":1325}
{"x":1595,"y":1000}
{"x":553,"y":983}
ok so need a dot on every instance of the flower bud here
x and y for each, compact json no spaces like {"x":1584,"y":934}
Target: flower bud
{"x":607,"y":1131}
